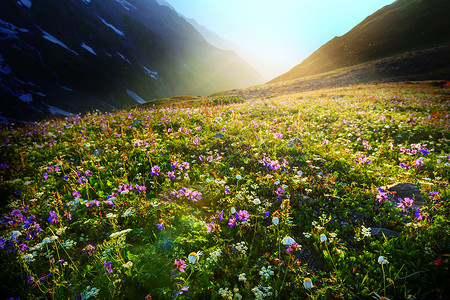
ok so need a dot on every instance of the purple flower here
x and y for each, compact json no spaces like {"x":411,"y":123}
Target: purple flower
{"x":53,"y":218}
{"x":419,"y":162}
{"x":210,"y":227}
{"x":418,"y":214}
{"x":183,"y":289}
{"x":243,"y":215}
{"x":155,"y":171}
{"x":171,"y":175}
{"x":232,"y":221}
{"x":160,"y":226}
{"x":221,"y":215}
{"x":404,"y":166}
{"x":265,"y":215}
{"x":108,"y":267}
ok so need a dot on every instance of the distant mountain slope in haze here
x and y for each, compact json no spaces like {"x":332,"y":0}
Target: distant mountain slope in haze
{"x":405,"y":25}
{"x":76,"y":55}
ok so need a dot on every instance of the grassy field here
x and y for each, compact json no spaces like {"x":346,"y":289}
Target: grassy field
{"x":265,"y":198}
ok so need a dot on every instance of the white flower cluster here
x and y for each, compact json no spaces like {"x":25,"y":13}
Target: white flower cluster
{"x":307,"y":235}
{"x":89,"y":292}
{"x":128,"y":265}
{"x":227,"y":294}
{"x":111,"y":216}
{"x":214,"y":256}
{"x":266,"y":272}
{"x":241,"y":277}
{"x":317,"y":226}
{"x":69,"y":244}
{"x":129,"y":212}
{"x":261,"y":291}
{"x":241,"y":247}
{"x":119,"y":233}
{"x":365,"y":231}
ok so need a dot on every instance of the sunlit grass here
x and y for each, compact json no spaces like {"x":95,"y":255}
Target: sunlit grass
{"x":116,"y":205}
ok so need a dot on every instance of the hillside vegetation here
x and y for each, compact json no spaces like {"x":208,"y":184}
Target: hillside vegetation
{"x":268,"y":198}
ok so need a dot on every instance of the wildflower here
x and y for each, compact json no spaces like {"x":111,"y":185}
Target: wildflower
{"x":160,"y":226}
{"x":183,"y":289}
{"x":382,"y":260}
{"x":238,"y":177}
{"x":171,"y":175}
{"x":275,"y":220}
{"x":256,"y":201}
{"x":381,"y":195}
{"x":288,"y":241}
{"x":307,"y":283}
{"x":210,"y":227}
{"x":419,"y":162}
{"x":266,"y":272}
{"x":243,"y":215}
{"x":418,"y":214}
{"x":179,"y":264}
{"x":233,"y":210}
{"x":241,"y":277}
{"x":14,"y":234}
{"x":232,"y":221}
{"x":323,"y":238}
{"x":221,"y":215}
{"x":128,"y":265}
{"x":378,"y":297}
{"x":155,"y":171}
{"x":194,"y":257}
{"x":108,"y":267}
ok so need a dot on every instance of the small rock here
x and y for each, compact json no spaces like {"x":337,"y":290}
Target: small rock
{"x":97,"y":152}
{"x":406,"y":190}
{"x":135,"y":123}
{"x":295,"y":141}
{"x":378,"y":232}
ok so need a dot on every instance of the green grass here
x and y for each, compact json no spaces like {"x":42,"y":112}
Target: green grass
{"x":102,"y":184}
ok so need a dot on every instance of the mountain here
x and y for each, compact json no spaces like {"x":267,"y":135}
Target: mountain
{"x":403,"y":26}
{"x":77,"y":55}
{"x":267,"y":68}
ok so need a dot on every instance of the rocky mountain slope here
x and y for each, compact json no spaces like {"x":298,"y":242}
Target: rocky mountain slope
{"x":77,"y":55}
{"x":403,"y":26}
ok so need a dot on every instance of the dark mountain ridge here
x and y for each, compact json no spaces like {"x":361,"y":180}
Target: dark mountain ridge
{"x":78,"y":55}
{"x":405,"y":25}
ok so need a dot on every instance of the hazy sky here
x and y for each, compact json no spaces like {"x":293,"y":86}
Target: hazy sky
{"x":285,"y":31}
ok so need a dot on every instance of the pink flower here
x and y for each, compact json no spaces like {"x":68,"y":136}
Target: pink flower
{"x":179,"y":264}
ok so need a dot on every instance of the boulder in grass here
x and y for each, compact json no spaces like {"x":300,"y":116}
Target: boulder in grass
{"x":405,"y":190}
{"x":379,"y":232}
{"x":295,"y":141}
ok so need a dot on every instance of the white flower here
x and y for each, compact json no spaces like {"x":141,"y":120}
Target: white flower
{"x":256,"y":201}
{"x":275,"y":221}
{"x":194,"y":257}
{"x":323,"y":238}
{"x":307,"y":235}
{"x":233,"y":210}
{"x":382,"y":260}
{"x":14,"y":234}
{"x":241,"y":277}
{"x":129,"y":264}
{"x":307,"y":283}
{"x":288,"y":241}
